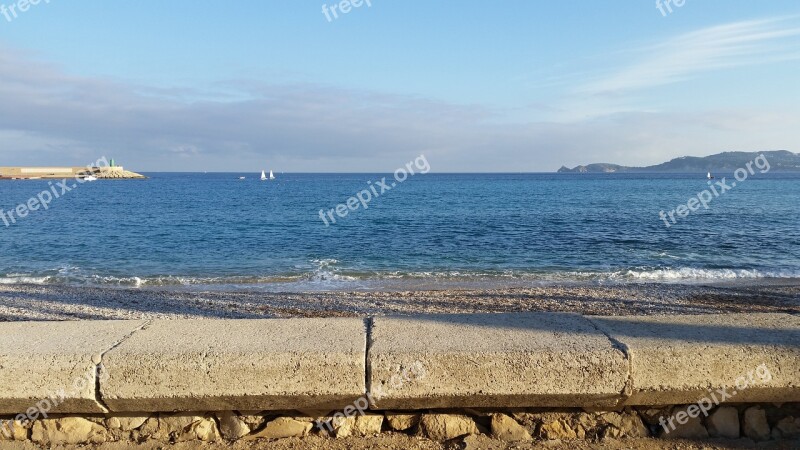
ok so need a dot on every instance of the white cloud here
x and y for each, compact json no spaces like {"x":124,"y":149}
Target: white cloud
{"x":737,"y":44}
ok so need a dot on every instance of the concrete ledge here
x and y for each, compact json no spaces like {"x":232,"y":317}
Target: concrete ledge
{"x":683,"y":359}
{"x":499,"y":360}
{"x":521,"y":360}
{"x":221,"y":365}
{"x":55,"y":362}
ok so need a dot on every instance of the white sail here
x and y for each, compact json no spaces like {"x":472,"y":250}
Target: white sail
{"x":709,"y":176}
{"x":271,"y":175}
{"x":263,"y":175}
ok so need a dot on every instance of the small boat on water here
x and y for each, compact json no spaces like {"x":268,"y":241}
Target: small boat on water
{"x":271,"y":175}
{"x":263,"y":176}
{"x":710,"y":177}
{"x":242,"y":178}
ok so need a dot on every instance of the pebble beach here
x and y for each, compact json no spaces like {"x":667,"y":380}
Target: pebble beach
{"x":63,"y":302}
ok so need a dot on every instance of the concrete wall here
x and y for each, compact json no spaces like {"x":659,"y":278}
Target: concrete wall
{"x":42,"y":172}
{"x":39,"y":171}
{"x":65,"y":172}
{"x":411,"y":363}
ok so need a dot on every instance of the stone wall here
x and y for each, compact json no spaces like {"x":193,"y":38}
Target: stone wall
{"x":757,"y":423}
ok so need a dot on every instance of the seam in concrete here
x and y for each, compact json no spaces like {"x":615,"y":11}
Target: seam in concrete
{"x":98,"y":395}
{"x":627,"y":390}
{"x":369,"y":323}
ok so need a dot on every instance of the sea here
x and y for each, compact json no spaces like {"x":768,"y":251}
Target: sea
{"x":215,"y":231}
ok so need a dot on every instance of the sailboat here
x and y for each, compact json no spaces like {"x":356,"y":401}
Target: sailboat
{"x":710,"y":177}
{"x":263,"y":176}
{"x":271,"y":175}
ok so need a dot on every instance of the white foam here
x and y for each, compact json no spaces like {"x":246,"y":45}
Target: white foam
{"x":22,"y":279}
{"x":326,"y":275}
{"x":689,"y":274}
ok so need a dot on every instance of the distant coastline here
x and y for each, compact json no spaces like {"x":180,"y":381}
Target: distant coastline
{"x":780,"y":161}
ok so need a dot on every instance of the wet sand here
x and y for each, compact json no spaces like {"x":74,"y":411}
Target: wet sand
{"x":41,"y":302}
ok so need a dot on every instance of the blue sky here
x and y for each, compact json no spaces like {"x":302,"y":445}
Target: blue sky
{"x":476,"y":86}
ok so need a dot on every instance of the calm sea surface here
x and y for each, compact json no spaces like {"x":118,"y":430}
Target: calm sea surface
{"x":214,"y":231}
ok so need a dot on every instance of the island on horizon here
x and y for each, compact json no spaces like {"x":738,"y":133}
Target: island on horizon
{"x":780,"y":160}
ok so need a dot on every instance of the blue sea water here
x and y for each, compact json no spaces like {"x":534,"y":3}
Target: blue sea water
{"x":214,"y":231}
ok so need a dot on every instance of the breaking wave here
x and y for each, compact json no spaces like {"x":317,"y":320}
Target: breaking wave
{"x":322,"y":274}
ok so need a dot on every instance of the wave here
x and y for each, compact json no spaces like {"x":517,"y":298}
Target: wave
{"x":688,"y":274}
{"x":326,"y":274}
{"x":326,"y":271}
{"x":639,"y":274}
{"x":24,"y":279}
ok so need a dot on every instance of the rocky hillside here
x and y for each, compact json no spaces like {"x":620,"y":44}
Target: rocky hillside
{"x":779,"y":160}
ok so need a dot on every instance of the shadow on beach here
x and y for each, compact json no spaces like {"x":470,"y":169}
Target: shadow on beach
{"x":44,"y":302}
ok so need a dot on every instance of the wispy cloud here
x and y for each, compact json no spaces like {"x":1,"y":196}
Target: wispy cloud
{"x":677,"y":59}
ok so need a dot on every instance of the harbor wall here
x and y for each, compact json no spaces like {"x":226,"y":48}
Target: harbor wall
{"x":65,"y":172}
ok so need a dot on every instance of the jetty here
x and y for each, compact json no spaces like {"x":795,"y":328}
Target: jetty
{"x":107,"y":172}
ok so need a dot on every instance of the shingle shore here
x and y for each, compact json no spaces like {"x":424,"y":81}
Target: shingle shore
{"x":39,"y":302}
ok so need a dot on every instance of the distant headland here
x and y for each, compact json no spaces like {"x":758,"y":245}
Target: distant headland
{"x":780,"y":160}
{"x":101,"y":172}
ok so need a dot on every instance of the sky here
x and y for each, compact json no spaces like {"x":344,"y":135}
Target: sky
{"x":509,"y":86}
